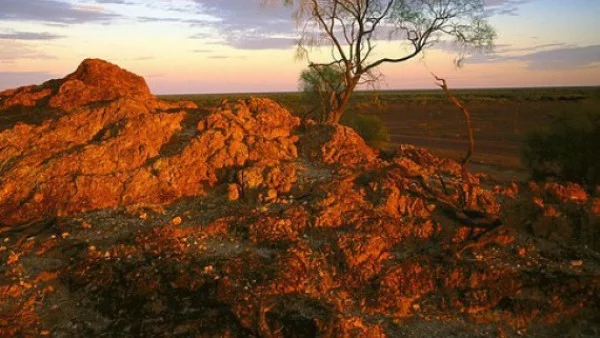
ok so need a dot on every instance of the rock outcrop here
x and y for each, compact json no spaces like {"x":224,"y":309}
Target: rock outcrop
{"x":124,"y":214}
{"x":94,"y":81}
{"x":109,"y":155}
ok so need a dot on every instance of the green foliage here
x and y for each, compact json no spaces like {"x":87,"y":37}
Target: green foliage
{"x":569,"y":150}
{"x":353,"y":28}
{"x":369,"y":127}
{"x":313,"y":81}
{"x":317,"y":84}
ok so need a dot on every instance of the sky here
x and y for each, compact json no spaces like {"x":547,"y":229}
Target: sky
{"x":239,"y":46}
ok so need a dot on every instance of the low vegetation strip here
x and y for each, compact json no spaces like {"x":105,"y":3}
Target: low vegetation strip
{"x":502,"y":118}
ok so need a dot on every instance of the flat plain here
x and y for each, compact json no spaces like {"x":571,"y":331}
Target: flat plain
{"x":502,"y":118}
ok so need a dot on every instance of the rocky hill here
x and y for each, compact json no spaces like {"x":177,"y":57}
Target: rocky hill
{"x":122,"y":214}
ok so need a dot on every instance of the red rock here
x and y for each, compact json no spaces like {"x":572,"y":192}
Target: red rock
{"x":286,"y":227}
{"x":565,"y":193}
{"x":233,"y":192}
{"x":550,"y":211}
{"x":109,"y":154}
{"x":336,"y":145}
{"x":349,"y":244}
{"x":94,"y":81}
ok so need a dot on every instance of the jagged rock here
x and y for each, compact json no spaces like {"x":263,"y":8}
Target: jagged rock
{"x":337,"y":144}
{"x":110,"y":155}
{"x":94,"y":81}
{"x":356,"y":327}
{"x":80,"y":161}
{"x":245,"y":222}
{"x":569,"y":192}
{"x":286,"y":227}
{"x":233,"y":192}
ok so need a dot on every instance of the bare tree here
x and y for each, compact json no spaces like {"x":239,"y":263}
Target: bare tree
{"x":352,"y":28}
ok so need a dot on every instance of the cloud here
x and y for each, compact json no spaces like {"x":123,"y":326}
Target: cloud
{"x":53,"y":11}
{"x":224,"y":57}
{"x":264,"y":42}
{"x":498,"y":50}
{"x":12,"y":50}
{"x":18,"y":79}
{"x":144,"y":58}
{"x":202,"y":36}
{"x":120,"y":2}
{"x":504,"y":7}
{"x":568,"y":57}
{"x":563,"y":58}
{"x":177,"y":6}
{"x":145,"y":19}
{"x":153,"y":19}
{"x":509,"y":49}
{"x":30,"y":36}
{"x":249,"y":25}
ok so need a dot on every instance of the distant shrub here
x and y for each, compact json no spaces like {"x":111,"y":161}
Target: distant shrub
{"x":369,"y":127}
{"x":569,"y":150}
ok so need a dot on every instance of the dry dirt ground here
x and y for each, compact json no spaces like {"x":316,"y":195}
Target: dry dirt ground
{"x":125,"y":215}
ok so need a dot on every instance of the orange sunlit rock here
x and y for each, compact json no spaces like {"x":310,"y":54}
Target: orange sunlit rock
{"x":122,"y":214}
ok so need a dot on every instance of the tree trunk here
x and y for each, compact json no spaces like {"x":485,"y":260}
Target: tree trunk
{"x":334,"y":116}
{"x":340,"y":103}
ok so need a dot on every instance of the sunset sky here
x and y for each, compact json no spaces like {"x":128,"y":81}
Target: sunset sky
{"x":224,"y":46}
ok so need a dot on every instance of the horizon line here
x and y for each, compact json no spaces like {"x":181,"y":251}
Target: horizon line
{"x":388,"y":90}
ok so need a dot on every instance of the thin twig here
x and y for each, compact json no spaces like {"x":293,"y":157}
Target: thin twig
{"x":457,"y":103}
{"x":263,"y":325}
{"x":444,"y":85}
